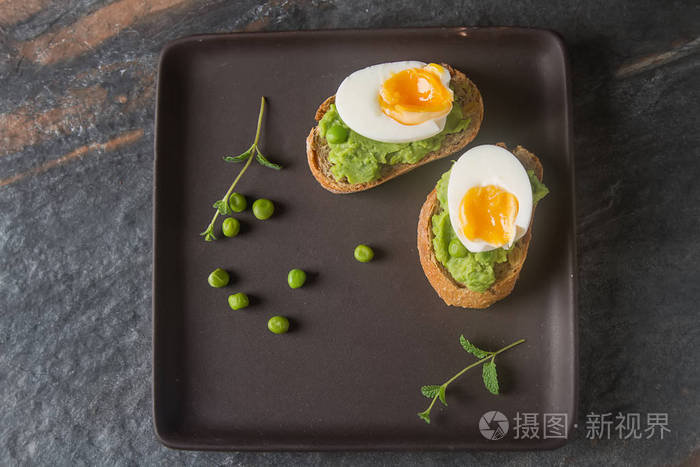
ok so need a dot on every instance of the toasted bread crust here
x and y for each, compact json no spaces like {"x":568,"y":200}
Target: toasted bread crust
{"x":317,"y":149}
{"x":452,"y":292}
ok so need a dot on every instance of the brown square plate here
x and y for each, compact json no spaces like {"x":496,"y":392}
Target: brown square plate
{"x":365,"y":337}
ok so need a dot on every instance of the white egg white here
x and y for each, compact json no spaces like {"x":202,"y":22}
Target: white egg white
{"x":357,"y":102}
{"x":489,"y":165}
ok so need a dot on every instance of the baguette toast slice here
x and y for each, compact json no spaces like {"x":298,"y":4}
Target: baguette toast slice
{"x":466,"y":94}
{"x":454,"y":293}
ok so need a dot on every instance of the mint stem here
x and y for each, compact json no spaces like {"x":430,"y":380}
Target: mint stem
{"x":260,"y":115}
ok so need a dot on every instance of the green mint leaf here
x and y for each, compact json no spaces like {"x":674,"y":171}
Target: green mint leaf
{"x":441,"y":394}
{"x":425,"y":416}
{"x":240,"y":157}
{"x":222,"y":206}
{"x":490,"y":376}
{"x":472,"y":349}
{"x":208,"y":235}
{"x":430,"y":391}
{"x":264,"y":162}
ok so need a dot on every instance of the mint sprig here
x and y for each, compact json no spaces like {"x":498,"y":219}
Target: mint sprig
{"x":488,"y":373}
{"x":253,"y":152}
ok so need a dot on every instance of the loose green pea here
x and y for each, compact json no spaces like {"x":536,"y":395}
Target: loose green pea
{"x":230,"y":227}
{"x":456,"y":249}
{"x":218,"y":278}
{"x":237,"y":202}
{"x":278,"y":324}
{"x":363,"y":253}
{"x":238,"y":301}
{"x":263,"y":208}
{"x":336,"y":134}
{"x":296,"y":278}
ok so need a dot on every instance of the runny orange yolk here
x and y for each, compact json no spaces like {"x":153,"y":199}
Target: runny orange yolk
{"x":488,"y":213}
{"x":415,"y":95}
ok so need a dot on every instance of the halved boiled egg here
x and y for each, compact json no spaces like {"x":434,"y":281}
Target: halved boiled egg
{"x":397,"y":102}
{"x":489,"y":198}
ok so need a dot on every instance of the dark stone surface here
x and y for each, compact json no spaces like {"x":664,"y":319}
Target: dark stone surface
{"x":76,"y":127}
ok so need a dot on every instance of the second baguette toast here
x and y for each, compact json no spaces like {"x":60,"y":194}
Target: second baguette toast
{"x":454,"y":293}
